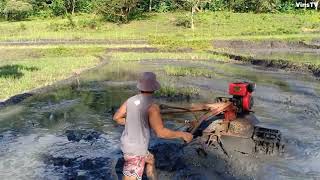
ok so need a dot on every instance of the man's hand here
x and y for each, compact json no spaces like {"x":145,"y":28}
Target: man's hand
{"x":187,"y":137}
{"x":120,"y":115}
{"x":156,"y":124}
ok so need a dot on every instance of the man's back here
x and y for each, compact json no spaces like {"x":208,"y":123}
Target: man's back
{"x":137,"y":113}
{"x":135,"y":137}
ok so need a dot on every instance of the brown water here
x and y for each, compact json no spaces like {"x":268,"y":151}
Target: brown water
{"x":67,"y":132}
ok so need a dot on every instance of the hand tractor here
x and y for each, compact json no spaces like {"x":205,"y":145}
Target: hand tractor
{"x":230,"y":123}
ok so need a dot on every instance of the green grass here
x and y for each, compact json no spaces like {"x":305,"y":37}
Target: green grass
{"x":171,"y":91}
{"x":161,"y":30}
{"x":9,"y":54}
{"x":21,"y":71}
{"x":188,"y":71}
{"x":137,"y":56}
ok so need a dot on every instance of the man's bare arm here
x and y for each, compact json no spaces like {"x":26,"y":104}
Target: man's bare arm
{"x":156,"y":124}
{"x":120,"y":115}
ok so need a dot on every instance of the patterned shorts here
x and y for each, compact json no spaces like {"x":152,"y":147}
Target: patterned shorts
{"x":134,"y":165}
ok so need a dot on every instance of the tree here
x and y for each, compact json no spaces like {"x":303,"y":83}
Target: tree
{"x":58,"y":7}
{"x":17,"y":10}
{"x":2,"y":5}
{"x":194,"y":5}
{"x":150,"y":5}
{"x":70,"y":6}
{"x":120,"y":11}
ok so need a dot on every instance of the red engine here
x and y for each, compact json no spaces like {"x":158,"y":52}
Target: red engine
{"x":242,"y":95}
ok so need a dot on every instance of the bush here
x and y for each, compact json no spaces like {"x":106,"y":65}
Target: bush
{"x":119,"y":11}
{"x":2,"y":5}
{"x":39,"y":4}
{"x":44,"y":13}
{"x":58,"y":7}
{"x":60,"y":26}
{"x":217,"y":5}
{"x":89,"y":23}
{"x":163,"y":7}
{"x":22,"y":27}
{"x":286,"y":5}
{"x":183,"y":21}
{"x":85,"y":6}
{"x":159,"y":5}
{"x":17,"y":10}
{"x":255,"y":5}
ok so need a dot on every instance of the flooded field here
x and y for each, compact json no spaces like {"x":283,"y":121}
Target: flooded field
{"x":67,"y":132}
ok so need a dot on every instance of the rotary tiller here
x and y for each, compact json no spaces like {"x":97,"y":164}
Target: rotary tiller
{"x":231,"y":124}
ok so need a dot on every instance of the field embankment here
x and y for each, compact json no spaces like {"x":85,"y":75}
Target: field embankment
{"x":297,"y":55}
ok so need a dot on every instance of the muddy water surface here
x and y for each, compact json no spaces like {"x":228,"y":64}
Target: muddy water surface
{"x":68,"y":133}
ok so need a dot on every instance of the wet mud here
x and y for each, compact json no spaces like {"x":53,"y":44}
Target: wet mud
{"x":67,"y":131}
{"x":15,"y":99}
{"x":77,"y":135}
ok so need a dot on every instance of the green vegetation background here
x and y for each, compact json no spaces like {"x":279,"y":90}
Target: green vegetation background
{"x":166,"y":24}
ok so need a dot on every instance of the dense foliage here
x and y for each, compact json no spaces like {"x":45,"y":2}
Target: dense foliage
{"x":122,"y":11}
{"x":16,"y":10}
{"x":117,"y":10}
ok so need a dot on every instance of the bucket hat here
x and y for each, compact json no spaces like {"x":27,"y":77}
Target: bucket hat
{"x":148,"y":82}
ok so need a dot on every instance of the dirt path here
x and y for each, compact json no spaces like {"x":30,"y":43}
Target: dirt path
{"x":71,"y":42}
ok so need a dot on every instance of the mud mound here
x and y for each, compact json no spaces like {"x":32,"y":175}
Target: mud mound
{"x":276,"y":63}
{"x":168,"y":156}
{"x":78,"y":135}
{"x":82,"y":168}
{"x":316,"y":42}
{"x":15,"y":99}
{"x":267,"y":44}
{"x":189,"y":174}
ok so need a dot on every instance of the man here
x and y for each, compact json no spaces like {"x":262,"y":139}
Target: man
{"x":139,"y":114}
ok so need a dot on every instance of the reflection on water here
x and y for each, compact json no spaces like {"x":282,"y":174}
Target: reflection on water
{"x":68,"y":133}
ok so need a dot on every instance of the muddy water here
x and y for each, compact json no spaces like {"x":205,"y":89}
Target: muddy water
{"x":68,"y":133}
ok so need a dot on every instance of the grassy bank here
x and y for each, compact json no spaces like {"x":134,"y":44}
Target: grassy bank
{"x":138,"y":56}
{"x":161,"y":29}
{"x":26,"y":69}
{"x":302,"y":62}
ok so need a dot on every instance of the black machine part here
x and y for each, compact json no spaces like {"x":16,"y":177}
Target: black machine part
{"x":238,"y":102}
{"x":267,"y":140}
{"x":249,"y":137}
